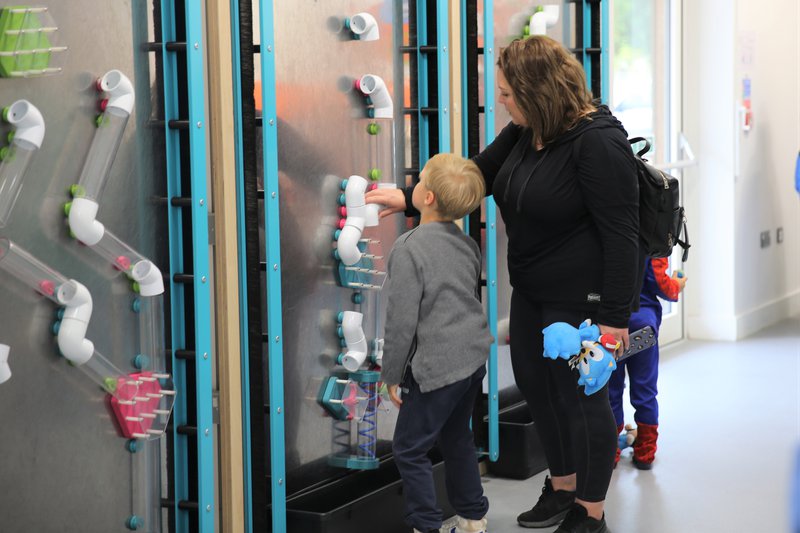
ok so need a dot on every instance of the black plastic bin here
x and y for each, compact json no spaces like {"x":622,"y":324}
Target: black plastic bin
{"x":521,"y":454}
{"x":371,"y":500}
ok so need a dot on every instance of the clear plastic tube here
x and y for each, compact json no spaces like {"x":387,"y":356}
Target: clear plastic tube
{"x":109,"y":377}
{"x":146,"y":486}
{"x":12,"y":172}
{"x":368,"y":426}
{"x":102,"y":152}
{"x":30,"y":270}
{"x":119,"y":254}
{"x":151,"y":331}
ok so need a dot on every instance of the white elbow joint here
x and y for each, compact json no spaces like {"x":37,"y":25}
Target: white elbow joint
{"x":83,"y":222}
{"x":72,"y":339}
{"x":5,"y":370}
{"x":27,"y":120}
{"x":543,"y":19}
{"x":374,"y":87}
{"x":357,"y":212}
{"x":365,"y":27}
{"x":149,"y":278}
{"x":119,"y":89}
{"x":355,"y":340}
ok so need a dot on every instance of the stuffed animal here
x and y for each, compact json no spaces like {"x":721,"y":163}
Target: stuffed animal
{"x":595,"y":363}
{"x":627,"y":437}
{"x":586,"y":350}
{"x":564,"y":340}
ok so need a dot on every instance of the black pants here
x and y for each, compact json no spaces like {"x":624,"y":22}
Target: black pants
{"x":442,"y":414}
{"x":578,"y":432}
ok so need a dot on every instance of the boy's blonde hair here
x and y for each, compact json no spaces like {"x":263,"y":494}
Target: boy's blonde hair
{"x":457,"y":184}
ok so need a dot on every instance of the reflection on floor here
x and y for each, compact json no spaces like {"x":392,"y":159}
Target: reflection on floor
{"x":729,"y":432}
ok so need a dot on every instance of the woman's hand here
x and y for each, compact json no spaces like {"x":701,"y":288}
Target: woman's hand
{"x":621,"y":334}
{"x":393,"y":199}
{"x":394,"y":396}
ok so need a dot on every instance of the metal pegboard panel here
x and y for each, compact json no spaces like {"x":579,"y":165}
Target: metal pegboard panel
{"x":66,"y":465}
{"x":322,"y":139}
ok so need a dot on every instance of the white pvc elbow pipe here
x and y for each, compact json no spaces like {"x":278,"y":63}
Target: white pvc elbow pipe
{"x":355,"y":340}
{"x":365,"y":26}
{"x":374,"y":87}
{"x":347,"y":244}
{"x":541,"y":20}
{"x":72,"y":339}
{"x":119,"y":89}
{"x":28,"y":121}
{"x":5,"y":370}
{"x":149,"y":278}
{"x":83,"y":221}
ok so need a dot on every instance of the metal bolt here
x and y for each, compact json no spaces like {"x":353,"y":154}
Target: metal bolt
{"x":203,"y":279}
{"x":494,"y":396}
{"x":273,"y":195}
{"x":494,"y":283}
{"x":269,"y":48}
{"x":444,"y":49}
{"x":279,"y":410}
{"x":491,"y":109}
{"x":199,"y":124}
{"x":271,"y":122}
{"x":445,"y":110}
{"x":277,"y":339}
{"x":206,"y":432}
{"x":196,"y":46}
{"x":491,"y":226}
{"x":275,"y":267}
{"x":208,"y":508}
{"x":202,"y":202}
{"x":491,"y":50}
{"x":205,"y":355}
{"x":280,"y":481}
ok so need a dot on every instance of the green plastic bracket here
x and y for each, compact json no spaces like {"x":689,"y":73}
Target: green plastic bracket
{"x":25,"y":45}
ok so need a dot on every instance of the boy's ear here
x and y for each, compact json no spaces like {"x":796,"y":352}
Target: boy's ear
{"x":430,"y":198}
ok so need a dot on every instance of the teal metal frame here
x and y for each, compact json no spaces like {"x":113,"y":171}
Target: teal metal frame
{"x":236,"y":61}
{"x":195,"y":61}
{"x":491,"y":228}
{"x":273,"y":274}
{"x":605,"y":57}
{"x":176,"y":265}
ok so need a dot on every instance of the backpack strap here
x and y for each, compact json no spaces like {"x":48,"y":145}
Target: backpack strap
{"x":643,"y":151}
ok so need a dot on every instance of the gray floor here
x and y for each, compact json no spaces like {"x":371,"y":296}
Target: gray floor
{"x":729,"y":431}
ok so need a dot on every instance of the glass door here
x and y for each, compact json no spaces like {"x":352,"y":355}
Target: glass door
{"x":646,"y":96}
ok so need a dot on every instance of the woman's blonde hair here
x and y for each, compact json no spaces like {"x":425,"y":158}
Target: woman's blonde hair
{"x":457,"y":184}
{"x":548,"y":83}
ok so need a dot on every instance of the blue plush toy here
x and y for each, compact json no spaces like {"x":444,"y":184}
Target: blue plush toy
{"x":585,"y":349}
{"x":564,"y":340}
{"x":595,"y":364}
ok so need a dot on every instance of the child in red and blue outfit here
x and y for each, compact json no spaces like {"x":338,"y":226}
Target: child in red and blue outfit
{"x":642,"y":368}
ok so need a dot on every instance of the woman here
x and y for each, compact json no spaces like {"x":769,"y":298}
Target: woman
{"x":563,"y":175}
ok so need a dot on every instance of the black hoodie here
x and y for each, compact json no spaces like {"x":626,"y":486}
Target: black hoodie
{"x":572,"y":225}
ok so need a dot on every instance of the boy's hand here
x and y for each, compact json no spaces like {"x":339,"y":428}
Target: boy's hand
{"x":393,"y":199}
{"x":679,"y":278}
{"x":395,"y":396}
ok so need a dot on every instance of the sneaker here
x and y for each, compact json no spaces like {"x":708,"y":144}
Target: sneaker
{"x":552,"y":507}
{"x":465,"y":525}
{"x":578,"y":521}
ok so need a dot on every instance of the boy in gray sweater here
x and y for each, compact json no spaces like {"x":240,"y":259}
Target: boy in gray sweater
{"x":436,"y":344}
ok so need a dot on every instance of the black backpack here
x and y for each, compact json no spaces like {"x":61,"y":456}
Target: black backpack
{"x":661,"y":217}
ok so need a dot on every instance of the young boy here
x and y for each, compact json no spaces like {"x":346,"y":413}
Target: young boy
{"x":643,"y":367}
{"x":436,"y":344}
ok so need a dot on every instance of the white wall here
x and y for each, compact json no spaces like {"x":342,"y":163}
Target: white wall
{"x":736,"y":287}
{"x":768,"y":279}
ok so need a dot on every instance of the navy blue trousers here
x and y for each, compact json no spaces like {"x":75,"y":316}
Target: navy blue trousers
{"x":642,"y":370}
{"x":443,"y":415}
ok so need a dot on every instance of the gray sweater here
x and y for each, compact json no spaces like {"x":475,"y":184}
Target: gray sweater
{"x":433,"y":310}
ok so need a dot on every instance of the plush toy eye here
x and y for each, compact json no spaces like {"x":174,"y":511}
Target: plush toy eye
{"x":596,"y":354}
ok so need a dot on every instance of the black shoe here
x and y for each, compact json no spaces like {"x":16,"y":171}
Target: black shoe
{"x":552,"y":507}
{"x":578,"y":521}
